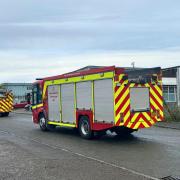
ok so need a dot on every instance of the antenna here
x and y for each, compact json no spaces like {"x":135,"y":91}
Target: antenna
{"x":133,"y":64}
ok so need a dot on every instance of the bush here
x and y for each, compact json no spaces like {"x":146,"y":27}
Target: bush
{"x":171,"y":112}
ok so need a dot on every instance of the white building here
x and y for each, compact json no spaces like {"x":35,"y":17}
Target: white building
{"x":19,"y":90}
{"x":171,"y":85}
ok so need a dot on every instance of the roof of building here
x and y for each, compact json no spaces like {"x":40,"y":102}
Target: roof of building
{"x":170,"y":72}
{"x":16,"y":84}
{"x":173,"y":67}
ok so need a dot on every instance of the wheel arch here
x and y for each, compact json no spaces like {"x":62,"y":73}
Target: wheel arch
{"x":87,"y":113}
{"x":42,"y":112}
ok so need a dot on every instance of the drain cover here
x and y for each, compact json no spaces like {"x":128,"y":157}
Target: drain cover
{"x":170,"y":178}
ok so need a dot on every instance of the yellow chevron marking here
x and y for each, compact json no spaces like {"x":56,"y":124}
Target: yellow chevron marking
{"x":152,"y":122}
{"x":158,"y":89}
{"x":121,"y":76}
{"x":146,"y":116}
{"x":122,"y":99}
{"x":10,"y":98}
{"x":7,"y":103}
{"x":132,"y":85}
{"x":126,"y":116}
{"x":4,"y":108}
{"x":122,"y":110}
{"x":125,"y":106}
{"x":156,"y":107}
{"x":145,"y":124}
{"x":156,"y":97}
{"x":137,"y":125}
{"x":129,"y":125}
{"x":4,"y":105}
{"x":117,"y":117}
{"x":119,"y":90}
{"x":134,"y":117}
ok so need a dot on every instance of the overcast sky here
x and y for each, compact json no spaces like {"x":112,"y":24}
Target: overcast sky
{"x":41,"y":38}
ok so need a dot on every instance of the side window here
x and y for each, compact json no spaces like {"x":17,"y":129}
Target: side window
{"x":34,"y":95}
{"x":39,"y":95}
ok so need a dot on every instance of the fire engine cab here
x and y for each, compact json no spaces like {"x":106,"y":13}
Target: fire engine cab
{"x":98,"y":99}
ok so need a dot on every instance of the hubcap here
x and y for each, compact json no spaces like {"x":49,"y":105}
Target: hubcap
{"x":42,"y":122}
{"x":85,"y":127}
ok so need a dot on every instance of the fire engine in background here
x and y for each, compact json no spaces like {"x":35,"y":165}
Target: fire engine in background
{"x":99,"y":99}
{"x":6,"y":102}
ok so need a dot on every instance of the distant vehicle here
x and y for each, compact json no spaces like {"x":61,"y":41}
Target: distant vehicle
{"x":25,"y":103}
{"x":22,"y":104}
{"x":6,"y":102}
{"x":28,"y":107}
{"x":99,"y":99}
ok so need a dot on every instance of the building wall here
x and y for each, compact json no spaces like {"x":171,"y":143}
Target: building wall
{"x":19,"y":90}
{"x":178,"y":86}
{"x":171,"y":92}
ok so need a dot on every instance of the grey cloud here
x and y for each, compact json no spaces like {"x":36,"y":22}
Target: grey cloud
{"x":57,"y":28}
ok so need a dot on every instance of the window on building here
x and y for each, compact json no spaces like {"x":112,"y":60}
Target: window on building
{"x":169,"y":93}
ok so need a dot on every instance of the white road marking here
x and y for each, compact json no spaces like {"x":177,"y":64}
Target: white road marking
{"x":82,"y":155}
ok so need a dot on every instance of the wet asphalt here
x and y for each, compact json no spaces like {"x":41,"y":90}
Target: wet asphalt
{"x":28,"y":153}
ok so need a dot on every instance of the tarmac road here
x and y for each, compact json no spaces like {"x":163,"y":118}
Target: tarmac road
{"x":28,"y":153}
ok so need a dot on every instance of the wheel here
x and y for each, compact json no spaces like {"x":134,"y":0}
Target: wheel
{"x":6,"y":114}
{"x":124,"y":131}
{"x":85,"y":128}
{"x":42,"y":123}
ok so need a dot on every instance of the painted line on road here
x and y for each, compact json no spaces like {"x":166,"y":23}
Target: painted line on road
{"x":82,"y":155}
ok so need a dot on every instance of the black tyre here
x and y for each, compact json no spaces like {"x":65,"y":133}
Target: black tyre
{"x":85,"y":128}
{"x":42,"y":122}
{"x":6,"y":114}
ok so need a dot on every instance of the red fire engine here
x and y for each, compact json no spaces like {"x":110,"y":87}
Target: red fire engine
{"x":99,"y":99}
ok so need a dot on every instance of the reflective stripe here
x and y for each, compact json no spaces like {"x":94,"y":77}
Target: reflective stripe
{"x":62,"y":124}
{"x":6,"y":104}
{"x":138,"y":119}
{"x":37,"y":106}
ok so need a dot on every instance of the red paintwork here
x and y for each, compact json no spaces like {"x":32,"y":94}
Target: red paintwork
{"x":20,"y":105}
{"x":102,"y":126}
{"x":35,"y":113}
{"x":94,"y":125}
{"x":86,"y":72}
{"x":88,"y":113}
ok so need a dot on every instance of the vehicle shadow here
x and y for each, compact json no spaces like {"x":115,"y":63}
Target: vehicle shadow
{"x":109,"y":137}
